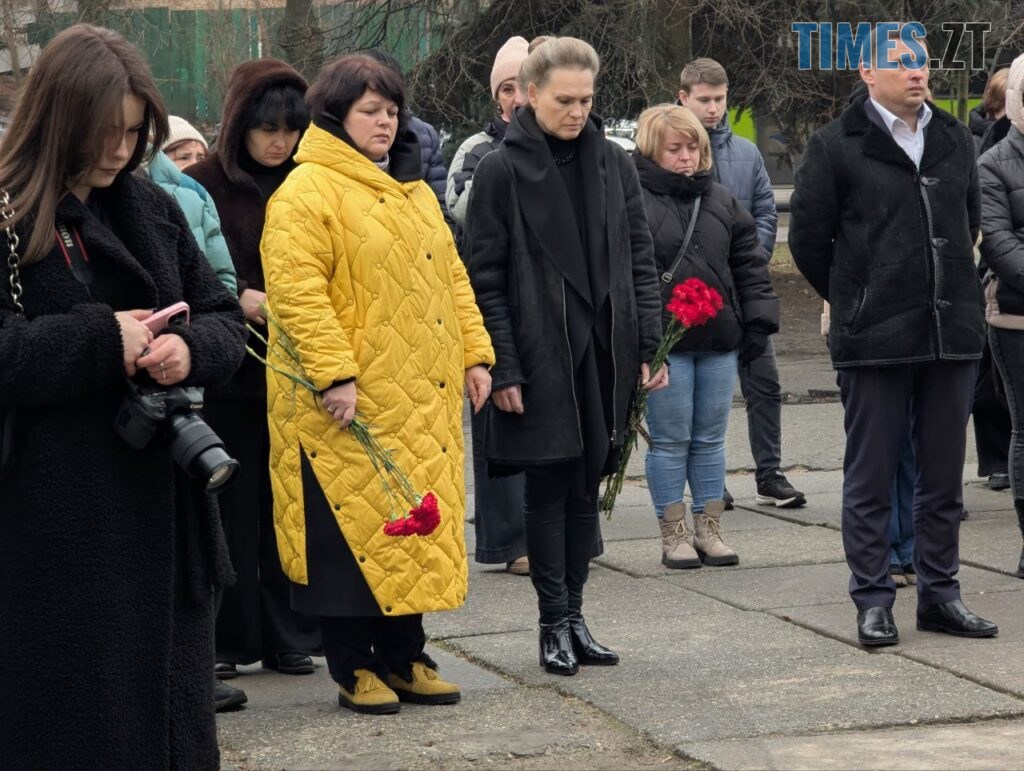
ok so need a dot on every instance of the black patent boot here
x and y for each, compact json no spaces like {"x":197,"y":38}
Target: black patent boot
{"x":556,"y":653}
{"x":588,"y":650}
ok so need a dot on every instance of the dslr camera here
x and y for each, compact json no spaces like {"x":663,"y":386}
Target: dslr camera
{"x":171,"y":415}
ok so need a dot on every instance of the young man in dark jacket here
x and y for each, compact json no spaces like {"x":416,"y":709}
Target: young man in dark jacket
{"x":884,"y":214}
{"x":738,"y":166}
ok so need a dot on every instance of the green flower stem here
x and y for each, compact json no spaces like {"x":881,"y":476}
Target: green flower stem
{"x":634,"y":422}
{"x":396,"y":485}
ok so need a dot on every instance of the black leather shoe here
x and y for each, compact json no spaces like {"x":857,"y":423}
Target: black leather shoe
{"x":227,"y":698}
{"x":953,"y":618}
{"x":587,"y":649}
{"x":225,"y":670}
{"x":556,"y":654}
{"x":876,"y":627}
{"x":290,"y":664}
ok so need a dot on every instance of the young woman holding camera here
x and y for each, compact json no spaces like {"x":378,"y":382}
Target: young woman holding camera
{"x":108,"y":554}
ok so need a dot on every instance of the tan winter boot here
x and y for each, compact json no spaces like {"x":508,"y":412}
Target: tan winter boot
{"x":676,"y":539}
{"x":708,"y":539}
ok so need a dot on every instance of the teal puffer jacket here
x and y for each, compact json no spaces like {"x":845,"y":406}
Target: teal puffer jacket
{"x":200,"y":213}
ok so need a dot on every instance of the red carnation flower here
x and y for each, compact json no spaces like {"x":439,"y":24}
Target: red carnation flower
{"x":421,"y":520}
{"x":694,"y":303}
{"x":426,"y":516}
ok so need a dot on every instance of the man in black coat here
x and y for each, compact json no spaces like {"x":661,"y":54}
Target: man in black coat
{"x":884,"y":214}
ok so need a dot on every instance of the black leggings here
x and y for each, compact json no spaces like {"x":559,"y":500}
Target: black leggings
{"x":1008,"y":354}
{"x":561,"y":525}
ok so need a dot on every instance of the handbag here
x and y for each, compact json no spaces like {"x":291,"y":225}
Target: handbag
{"x":666,"y":277}
{"x":8,"y":412}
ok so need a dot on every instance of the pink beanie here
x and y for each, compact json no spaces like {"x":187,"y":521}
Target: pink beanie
{"x":507,"y":62}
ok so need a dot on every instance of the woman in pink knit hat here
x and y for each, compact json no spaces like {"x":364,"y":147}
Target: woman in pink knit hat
{"x":500,"y":535}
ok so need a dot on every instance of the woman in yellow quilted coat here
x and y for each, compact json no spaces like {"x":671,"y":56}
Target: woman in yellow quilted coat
{"x":363,"y":278}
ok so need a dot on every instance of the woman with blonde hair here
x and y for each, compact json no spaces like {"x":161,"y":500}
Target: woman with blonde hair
{"x":560,"y":257}
{"x":700,"y":231}
{"x":110,"y":550}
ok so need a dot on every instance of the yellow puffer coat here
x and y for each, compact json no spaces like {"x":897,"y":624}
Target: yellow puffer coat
{"x":363,"y":276}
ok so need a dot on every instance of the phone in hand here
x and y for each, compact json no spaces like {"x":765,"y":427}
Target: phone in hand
{"x":172,"y":314}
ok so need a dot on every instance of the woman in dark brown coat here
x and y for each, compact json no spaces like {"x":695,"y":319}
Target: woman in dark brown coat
{"x":264,"y":115}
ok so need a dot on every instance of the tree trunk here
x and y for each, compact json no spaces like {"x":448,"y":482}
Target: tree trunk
{"x":301,"y":38}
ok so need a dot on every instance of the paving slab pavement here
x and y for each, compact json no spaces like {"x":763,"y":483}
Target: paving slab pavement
{"x":747,"y":667}
{"x":980,"y":746}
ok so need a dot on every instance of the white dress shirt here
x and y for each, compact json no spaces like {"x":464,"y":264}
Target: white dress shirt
{"x":912,"y":142}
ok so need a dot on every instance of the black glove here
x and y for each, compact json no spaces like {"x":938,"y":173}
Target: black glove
{"x":752,"y":345}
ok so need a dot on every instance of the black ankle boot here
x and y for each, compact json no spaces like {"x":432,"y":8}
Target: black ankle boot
{"x":587,"y":649}
{"x":556,"y":654}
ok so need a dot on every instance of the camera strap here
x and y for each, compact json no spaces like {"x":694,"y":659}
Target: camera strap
{"x":70,"y":244}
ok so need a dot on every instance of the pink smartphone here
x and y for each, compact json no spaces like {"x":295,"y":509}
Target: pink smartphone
{"x":159,"y":321}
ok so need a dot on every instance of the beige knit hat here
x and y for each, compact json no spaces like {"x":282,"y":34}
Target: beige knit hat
{"x":1014,"y":92}
{"x":507,"y":62}
{"x":182,"y":130}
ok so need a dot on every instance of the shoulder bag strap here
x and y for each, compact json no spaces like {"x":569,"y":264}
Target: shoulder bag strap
{"x":14,"y":277}
{"x":666,"y":277}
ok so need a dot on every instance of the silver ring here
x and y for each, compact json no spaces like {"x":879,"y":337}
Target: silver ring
{"x":163,"y":372}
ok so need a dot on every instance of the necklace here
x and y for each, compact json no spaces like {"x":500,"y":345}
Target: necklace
{"x":564,"y":160}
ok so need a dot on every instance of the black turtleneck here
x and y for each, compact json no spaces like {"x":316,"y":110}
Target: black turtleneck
{"x":564,"y":152}
{"x":267,"y":178}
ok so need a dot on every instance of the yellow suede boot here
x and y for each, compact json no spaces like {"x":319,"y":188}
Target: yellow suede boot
{"x":425,"y":687}
{"x":370,"y":695}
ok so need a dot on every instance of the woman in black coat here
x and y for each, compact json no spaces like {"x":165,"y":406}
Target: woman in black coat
{"x":688,"y":420}
{"x":109,"y":554}
{"x":1001,"y":170}
{"x":264,"y":116}
{"x":560,"y":258}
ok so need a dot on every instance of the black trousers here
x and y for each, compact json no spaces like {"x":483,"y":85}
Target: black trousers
{"x":381,"y":644}
{"x":1008,"y":356}
{"x":254,"y":618}
{"x":991,"y":418}
{"x":759,"y":383}
{"x":561,"y":525}
{"x":937,"y":397}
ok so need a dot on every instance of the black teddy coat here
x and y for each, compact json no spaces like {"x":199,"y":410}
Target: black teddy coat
{"x":108,"y":555}
{"x":889,"y":246}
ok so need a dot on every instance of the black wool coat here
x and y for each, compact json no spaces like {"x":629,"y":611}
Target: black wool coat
{"x":108,"y":555}
{"x":724,"y":253}
{"x":526,"y":262}
{"x":891,"y":247}
{"x":1002,"y":219}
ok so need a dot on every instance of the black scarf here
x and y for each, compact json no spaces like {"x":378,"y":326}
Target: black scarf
{"x":548,"y":209}
{"x":664,"y":182}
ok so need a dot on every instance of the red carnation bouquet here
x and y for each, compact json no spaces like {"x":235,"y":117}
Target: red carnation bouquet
{"x":693,"y":304}
{"x":424,"y":516}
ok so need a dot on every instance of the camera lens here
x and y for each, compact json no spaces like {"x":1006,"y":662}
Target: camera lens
{"x":196,"y":448}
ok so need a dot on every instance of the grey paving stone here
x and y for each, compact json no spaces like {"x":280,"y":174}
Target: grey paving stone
{"x":784,"y":544}
{"x":994,"y":542}
{"x":785,"y":587}
{"x":995,"y":661}
{"x":632,"y":522}
{"x":729,"y":674}
{"x":995,"y":744}
{"x":295,"y":722}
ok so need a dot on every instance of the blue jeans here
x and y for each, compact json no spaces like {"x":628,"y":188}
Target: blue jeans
{"x":901,"y":521}
{"x":687,"y":422}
